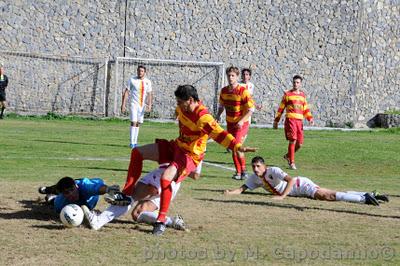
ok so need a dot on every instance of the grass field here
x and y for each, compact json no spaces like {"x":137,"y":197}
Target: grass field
{"x":246,"y":229}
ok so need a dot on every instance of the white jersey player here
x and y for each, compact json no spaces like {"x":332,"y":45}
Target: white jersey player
{"x":146,"y":202}
{"x":139,"y":90}
{"x":280,"y":184}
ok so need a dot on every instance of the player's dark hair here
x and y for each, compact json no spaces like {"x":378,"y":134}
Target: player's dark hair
{"x":233,"y":69}
{"x":65,"y":183}
{"x":248,"y":70}
{"x":257,"y":159}
{"x":143,"y":67}
{"x":298,"y":77}
{"x":184,"y":92}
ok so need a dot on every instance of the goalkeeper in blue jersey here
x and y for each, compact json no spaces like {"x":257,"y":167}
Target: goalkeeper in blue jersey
{"x":82,"y":191}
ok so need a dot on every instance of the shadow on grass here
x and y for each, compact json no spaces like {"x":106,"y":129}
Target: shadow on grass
{"x":79,"y":143}
{"x":51,"y":226}
{"x":299,"y":208}
{"x":35,"y":210}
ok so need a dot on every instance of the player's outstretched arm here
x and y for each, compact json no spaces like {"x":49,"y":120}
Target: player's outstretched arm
{"x":236,"y":191}
{"x":290,"y":182}
{"x":247,"y":149}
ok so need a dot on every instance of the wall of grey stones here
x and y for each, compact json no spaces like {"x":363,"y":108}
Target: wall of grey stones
{"x":347,"y":51}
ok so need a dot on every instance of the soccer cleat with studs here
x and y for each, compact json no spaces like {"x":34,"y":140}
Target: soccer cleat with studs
{"x":159,"y":228}
{"x":243,"y":176}
{"x":118,"y":199}
{"x":292,"y":166}
{"x":370,"y":199}
{"x":89,"y":217}
{"x":237,"y":176}
{"x":380,"y":197}
{"x":178,"y":223}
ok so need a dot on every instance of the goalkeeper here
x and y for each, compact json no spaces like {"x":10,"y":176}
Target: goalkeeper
{"x":82,"y":191}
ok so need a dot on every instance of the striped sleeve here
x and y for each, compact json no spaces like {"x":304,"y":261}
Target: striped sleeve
{"x":281,"y":107}
{"x":217,"y":133}
{"x":307,"y":113}
{"x":248,"y":100}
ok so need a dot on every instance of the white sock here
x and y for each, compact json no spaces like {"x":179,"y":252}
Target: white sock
{"x":356,"y":193}
{"x":151,"y":217}
{"x":136,"y":134}
{"x":349,"y":197}
{"x":109,"y":214}
{"x":132,"y":134}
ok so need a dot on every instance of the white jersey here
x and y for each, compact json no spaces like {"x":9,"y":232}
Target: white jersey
{"x":138,"y":89}
{"x":250,"y":87}
{"x":273,"y":181}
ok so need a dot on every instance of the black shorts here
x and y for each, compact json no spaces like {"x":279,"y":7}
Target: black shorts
{"x":2,"y":96}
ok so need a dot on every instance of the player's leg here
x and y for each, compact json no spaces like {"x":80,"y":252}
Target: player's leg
{"x":242,"y":159}
{"x":138,"y":154}
{"x":139,"y":120}
{"x":3,"y":107}
{"x":134,"y":118}
{"x":197,"y":173}
{"x":166,"y":190}
{"x":235,"y":155}
{"x":299,"y":135}
{"x":291,"y":134}
{"x":97,"y":221}
{"x":330,"y":195}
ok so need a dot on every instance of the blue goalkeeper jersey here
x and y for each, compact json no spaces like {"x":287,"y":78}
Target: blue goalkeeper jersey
{"x":88,"y":194}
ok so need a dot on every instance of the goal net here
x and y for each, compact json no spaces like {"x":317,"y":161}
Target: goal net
{"x":42,"y":83}
{"x":166,"y":76}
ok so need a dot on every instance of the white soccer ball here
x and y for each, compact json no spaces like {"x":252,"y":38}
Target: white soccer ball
{"x":71,"y":215}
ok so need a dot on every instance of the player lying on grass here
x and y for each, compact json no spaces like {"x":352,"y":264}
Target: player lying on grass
{"x":182,"y":154}
{"x":280,"y":184}
{"x":83,"y":191}
{"x":145,"y":199}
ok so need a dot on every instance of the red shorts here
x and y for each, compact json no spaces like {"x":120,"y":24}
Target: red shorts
{"x":238,"y":133}
{"x":170,"y":153}
{"x":294,"y":130}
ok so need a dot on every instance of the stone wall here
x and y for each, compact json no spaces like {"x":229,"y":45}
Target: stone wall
{"x":347,"y":51}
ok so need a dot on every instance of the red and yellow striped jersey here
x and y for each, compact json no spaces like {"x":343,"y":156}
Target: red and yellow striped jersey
{"x":296,"y":106}
{"x":194,"y":129}
{"x":236,"y":102}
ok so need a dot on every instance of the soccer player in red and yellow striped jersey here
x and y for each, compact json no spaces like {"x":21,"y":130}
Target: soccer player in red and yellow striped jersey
{"x":297,"y":109}
{"x":238,"y":104}
{"x":184,"y":153}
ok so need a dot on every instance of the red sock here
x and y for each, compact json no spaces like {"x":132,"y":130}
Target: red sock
{"x":243,"y":163}
{"x":291,"y":152}
{"x":165,"y":199}
{"x":236,"y":162}
{"x":134,"y":171}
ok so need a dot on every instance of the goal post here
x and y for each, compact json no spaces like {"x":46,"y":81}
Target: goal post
{"x":166,"y":76}
{"x":40,"y":83}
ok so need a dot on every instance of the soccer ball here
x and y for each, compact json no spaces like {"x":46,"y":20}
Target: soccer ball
{"x":71,"y":215}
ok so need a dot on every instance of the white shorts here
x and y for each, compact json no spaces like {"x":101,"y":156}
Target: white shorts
{"x":303,"y":187}
{"x":153,"y":179}
{"x":137,"y":113}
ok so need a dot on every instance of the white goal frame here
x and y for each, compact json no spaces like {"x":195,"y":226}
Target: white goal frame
{"x":118,"y":86}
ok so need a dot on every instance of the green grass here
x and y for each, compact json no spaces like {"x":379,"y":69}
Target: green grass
{"x":246,"y":229}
